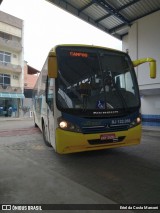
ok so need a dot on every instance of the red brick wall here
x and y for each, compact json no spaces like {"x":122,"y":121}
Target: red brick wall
{"x":29,"y":80}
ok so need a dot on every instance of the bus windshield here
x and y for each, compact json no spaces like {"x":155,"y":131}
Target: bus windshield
{"x":94,"y":80}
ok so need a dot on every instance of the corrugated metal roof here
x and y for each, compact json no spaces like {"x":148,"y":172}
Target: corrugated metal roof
{"x":94,"y":12}
{"x":111,"y":22}
{"x":112,"y":16}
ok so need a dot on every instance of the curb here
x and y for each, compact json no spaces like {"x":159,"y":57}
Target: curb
{"x":16,"y":119}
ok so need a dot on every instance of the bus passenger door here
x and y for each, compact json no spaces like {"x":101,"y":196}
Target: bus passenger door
{"x":50,"y":110}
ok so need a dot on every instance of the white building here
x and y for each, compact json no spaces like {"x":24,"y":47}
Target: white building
{"x":143,"y":40}
{"x":11,"y":65}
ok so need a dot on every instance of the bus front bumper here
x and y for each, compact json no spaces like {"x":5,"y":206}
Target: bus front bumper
{"x":70,"y":142}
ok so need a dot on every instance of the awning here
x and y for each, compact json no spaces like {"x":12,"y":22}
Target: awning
{"x":32,"y":70}
{"x":12,"y":95}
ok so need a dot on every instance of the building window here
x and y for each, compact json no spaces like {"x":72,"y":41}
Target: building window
{"x":5,"y":57}
{"x":5,"y":80}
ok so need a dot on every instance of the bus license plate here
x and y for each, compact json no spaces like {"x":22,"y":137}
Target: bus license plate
{"x":107,"y":136}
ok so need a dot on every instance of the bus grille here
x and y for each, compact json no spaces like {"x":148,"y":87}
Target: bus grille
{"x":103,"y":129}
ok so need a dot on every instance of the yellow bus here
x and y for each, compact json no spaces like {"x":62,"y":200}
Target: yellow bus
{"x":87,"y":98}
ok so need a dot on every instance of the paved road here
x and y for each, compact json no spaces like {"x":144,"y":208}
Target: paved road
{"x":33,"y":173}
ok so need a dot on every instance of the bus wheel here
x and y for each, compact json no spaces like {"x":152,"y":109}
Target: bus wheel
{"x":44,"y":131}
{"x":35,"y":125}
{"x":35,"y":122}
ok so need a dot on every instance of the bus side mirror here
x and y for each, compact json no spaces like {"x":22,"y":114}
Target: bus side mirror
{"x":152,"y":64}
{"x":153,"y":69}
{"x":52,"y":66}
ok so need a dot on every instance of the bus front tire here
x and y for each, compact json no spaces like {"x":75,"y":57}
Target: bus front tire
{"x":44,"y":135}
{"x":35,"y":125}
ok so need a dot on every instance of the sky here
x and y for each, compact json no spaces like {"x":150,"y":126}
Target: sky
{"x":46,"y":25}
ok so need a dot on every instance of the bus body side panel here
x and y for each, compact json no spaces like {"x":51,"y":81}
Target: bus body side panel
{"x":51,"y":128}
{"x":43,"y":114}
{"x":52,"y":119}
{"x":35,"y":117}
{"x":69,"y":142}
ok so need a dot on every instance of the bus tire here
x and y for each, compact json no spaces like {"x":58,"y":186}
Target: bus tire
{"x":44,"y":135}
{"x":35,"y":125}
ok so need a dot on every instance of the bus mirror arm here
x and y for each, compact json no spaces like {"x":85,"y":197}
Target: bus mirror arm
{"x":152,"y":63}
{"x":52,"y":66}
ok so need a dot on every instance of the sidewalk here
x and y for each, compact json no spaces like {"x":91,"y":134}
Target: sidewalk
{"x":152,"y":131}
{"x":15,"y":119}
{"x":151,"y":128}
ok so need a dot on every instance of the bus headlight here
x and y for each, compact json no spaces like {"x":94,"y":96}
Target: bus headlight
{"x":68,"y":126}
{"x":138,"y":120}
{"x":63,"y":124}
{"x":135,"y":122}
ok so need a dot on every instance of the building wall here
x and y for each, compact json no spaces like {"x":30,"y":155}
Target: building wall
{"x":11,"y":42}
{"x":29,"y":83}
{"x":151,"y":110}
{"x":4,"y":27}
{"x":141,"y":42}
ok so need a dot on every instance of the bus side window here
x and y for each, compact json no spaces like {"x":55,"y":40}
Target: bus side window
{"x":49,"y":92}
